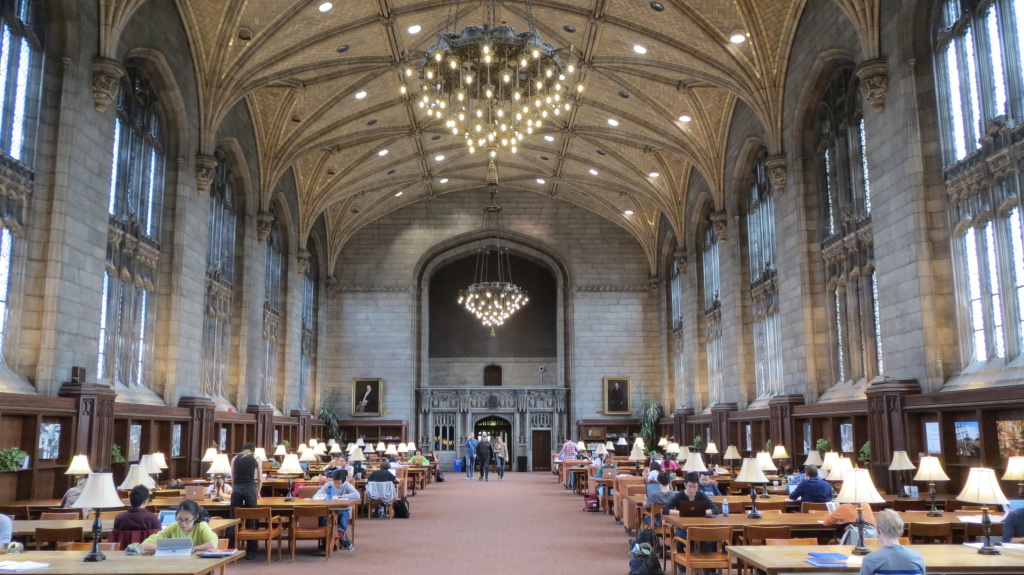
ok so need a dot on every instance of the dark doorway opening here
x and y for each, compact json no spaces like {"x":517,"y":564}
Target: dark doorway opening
{"x":541,"y":449}
{"x":495,"y":426}
{"x":492,"y":376}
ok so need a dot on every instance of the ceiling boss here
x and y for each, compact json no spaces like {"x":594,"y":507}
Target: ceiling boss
{"x":491,"y":84}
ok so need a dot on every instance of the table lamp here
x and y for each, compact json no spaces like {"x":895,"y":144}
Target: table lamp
{"x":210,"y":455}
{"x":695,"y":463}
{"x":290,"y":468}
{"x":640,"y":441}
{"x":684,"y":453}
{"x":710,"y":450}
{"x":260,"y":454}
{"x":412,"y":446}
{"x":826,"y":464}
{"x":380,"y":447}
{"x":79,"y":466}
{"x":219,"y":469}
{"x":357,"y":458}
{"x":335,"y":449}
{"x":858,"y":489}
{"x":320,"y":449}
{"x":637,"y":455}
{"x":901,"y":463}
{"x":601,"y":449}
{"x":391,"y":450}
{"x":732,"y":454}
{"x":137,"y":476}
{"x":764,"y":459}
{"x":663,"y":442}
{"x":313,"y":442}
{"x":307,"y":456}
{"x":622,"y":441}
{"x":672,"y":449}
{"x":98,"y":493}
{"x":360,"y":442}
{"x":780,"y":454}
{"x":751,"y":473}
{"x":813,"y":458}
{"x":580,"y":446}
{"x":610,"y":446}
{"x":149,"y":464}
{"x":840,"y":466}
{"x":930,"y":470}
{"x":983,"y":487}
{"x":1015,"y":472}
{"x":158,"y":458}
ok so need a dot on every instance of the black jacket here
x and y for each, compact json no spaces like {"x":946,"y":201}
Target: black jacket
{"x":485,"y":450}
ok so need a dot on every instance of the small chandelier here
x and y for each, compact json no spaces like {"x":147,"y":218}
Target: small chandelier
{"x":489,"y":83}
{"x":492,"y":297}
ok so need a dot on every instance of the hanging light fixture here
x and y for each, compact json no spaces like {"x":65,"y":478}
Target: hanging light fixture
{"x":492,"y":297}
{"x":491,"y":84}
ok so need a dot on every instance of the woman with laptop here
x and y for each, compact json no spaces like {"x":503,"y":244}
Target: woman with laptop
{"x":188,"y":524}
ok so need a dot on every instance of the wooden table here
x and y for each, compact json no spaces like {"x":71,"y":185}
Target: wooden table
{"x":117,"y":563}
{"x":276,"y":503}
{"x":27,"y":528}
{"x":938,"y":559}
{"x":736,"y":503}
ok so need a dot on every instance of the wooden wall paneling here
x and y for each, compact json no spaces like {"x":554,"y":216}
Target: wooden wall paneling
{"x":198,"y":434}
{"x":720,"y":427}
{"x":263,"y":429}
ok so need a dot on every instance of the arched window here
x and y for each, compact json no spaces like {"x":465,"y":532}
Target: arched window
{"x":220,"y":281}
{"x":128,"y":308}
{"x":310,"y":309}
{"x":763,"y":285}
{"x":848,"y":242}
{"x":21,"y":49}
{"x":980,"y":84}
{"x":272,"y":332}
{"x":713,"y":311}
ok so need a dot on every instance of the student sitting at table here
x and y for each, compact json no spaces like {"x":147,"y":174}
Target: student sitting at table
{"x":419,"y":460}
{"x":71,"y":495}
{"x":708,"y":487}
{"x":225,"y":487}
{"x":188,"y":523}
{"x":1013,"y":526}
{"x":892,"y":557}
{"x":6,"y":529}
{"x":845,"y":519}
{"x":339,"y":488}
{"x":652,"y":474}
{"x":136,"y":524}
{"x":607,"y":463}
{"x":662,"y":496}
{"x":814,"y":490}
{"x":691,"y":492}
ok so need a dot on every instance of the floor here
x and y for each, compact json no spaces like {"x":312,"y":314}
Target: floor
{"x":525,"y":524}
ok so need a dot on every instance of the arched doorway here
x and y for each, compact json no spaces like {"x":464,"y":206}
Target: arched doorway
{"x":494,"y":426}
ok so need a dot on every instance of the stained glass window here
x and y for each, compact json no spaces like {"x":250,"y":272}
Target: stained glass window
{"x":220,"y":281}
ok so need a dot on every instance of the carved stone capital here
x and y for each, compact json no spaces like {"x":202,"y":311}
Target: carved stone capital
{"x":106,"y":81}
{"x":205,"y":168}
{"x":263,"y":223}
{"x":680,"y":259}
{"x":874,"y":82}
{"x":302,"y":261}
{"x":720,"y":224}
{"x":776,"y":166}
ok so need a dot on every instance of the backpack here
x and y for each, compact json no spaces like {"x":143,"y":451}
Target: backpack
{"x":440,"y":477}
{"x":591,"y":503}
{"x":643,"y":560}
{"x":649,"y":537}
{"x":401,"y":508}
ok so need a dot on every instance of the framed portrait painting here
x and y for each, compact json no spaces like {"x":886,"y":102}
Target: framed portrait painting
{"x":616,"y":396}
{"x":367,"y":396}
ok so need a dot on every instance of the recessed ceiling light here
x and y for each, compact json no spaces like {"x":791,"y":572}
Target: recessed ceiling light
{"x":540,"y":180}
{"x":600,"y":152}
{"x":639,"y":49}
{"x":545,"y":158}
{"x":549,"y":138}
{"x":391,"y":172}
{"x":685,"y":118}
{"x":738,"y":37}
{"x":657,"y":6}
{"x":569,"y":29}
{"x":613,"y":122}
{"x":415,"y":29}
{"x":343,"y":48}
{"x":360,"y":95}
{"x":371,"y":122}
{"x":443,"y":180}
{"x":593,"y":172}
{"x":623,"y":94}
{"x":438,"y":157}
{"x":628,"y":212}
{"x":326,"y":6}
{"x":383,"y":152}
{"x":435,"y":138}
{"x":653,"y":174}
{"x":244,"y":34}
{"x":399,"y":194}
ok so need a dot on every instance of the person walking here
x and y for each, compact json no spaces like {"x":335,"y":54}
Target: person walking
{"x":500,"y":456}
{"x":484,"y":455}
{"x":471,"y":444}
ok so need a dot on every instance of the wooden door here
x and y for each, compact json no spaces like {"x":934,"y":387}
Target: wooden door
{"x":541,"y":450}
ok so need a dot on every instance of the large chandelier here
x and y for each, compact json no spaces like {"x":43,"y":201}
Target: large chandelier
{"x":492,"y":297}
{"x":489,"y":83}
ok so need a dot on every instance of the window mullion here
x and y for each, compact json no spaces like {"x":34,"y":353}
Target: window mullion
{"x":1007,"y":287}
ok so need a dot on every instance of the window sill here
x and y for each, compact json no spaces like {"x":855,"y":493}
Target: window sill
{"x":981,"y":374}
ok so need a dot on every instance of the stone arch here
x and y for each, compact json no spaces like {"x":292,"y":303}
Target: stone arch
{"x":175,"y":114}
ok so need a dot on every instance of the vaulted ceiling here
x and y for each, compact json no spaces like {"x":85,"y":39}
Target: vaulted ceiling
{"x":300,"y":68}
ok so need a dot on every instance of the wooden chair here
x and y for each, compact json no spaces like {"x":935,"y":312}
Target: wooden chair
{"x":797,"y":541}
{"x":695,"y":556}
{"x":930,"y":532}
{"x":306,"y":491}
{"x":306,"y":525}
{"x":872,"y":542}
{"x":758,"y":534}
{"x":663,"y":531}
{"x":772,"y":506}
{"x":811,"y":506}
{"x":83,"y":546}
{"x":46,"y":535}
{"x":976,"y":531}
{"x":972,"y":509}
{"x":913,"y":505}
{"x":60,"y":515}
{"x":267,"y":527}
{"x":16,"y":511}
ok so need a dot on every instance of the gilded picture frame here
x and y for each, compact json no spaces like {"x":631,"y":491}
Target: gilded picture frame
{"x":616,"y":396}
{"x":367,"y":396}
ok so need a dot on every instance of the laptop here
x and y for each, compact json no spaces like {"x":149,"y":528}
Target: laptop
{"x":1014,"y":505}
{"x":173,"y":547}
{"x":195,"y":492}
{"x":168,"y":517}
{"x":653,"y":488}
{"x":609,"y":472}
{"x":693,"y":508}
{"x":791,"y":487}
{"x":831,"y":506}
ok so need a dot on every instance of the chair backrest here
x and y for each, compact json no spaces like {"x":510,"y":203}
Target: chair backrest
{"x":127,"y":537}
{"x":913,"y":505}
{"x":812,"y":506}
{"x":757,"y":534}
{"x":306,"y":491}
{"x":871,"y":541}
{"x":60,"y":515}
{"x":80,"y":546}
{"x":931,"y":532}
{"x":259,"y":514}
{"x":977,"y":530}
{"x":46,"y":535}
{"x":771,"y":505}
{"x":308,"y":516}
{"x":224,"y":543}
{"x":380,"y":490}
{"x":16,"y":511}
{"x":971,"y":509}
{"x":797,"y":541}
{"x":717,"y":535}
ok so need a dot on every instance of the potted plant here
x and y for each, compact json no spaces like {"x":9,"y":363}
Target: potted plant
{"x":823,"y":445}
{"x":698,"y":443}
{"x":115,"y":454}
{"x":864,"y":455}
{"x":12,"y":458}
{"x":647,"y":415}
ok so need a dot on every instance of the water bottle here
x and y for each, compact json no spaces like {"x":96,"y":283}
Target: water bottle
{"x":330,"y":492}
{"x":725,"y":508}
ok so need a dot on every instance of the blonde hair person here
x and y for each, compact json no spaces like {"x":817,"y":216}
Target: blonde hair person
{"x":891,"y":557}
{"x":500,"y":456}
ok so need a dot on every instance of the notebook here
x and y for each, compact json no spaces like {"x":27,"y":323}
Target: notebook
{"x":167,"y":517}
{"x":195,"y":492}
{"x":693,"y":508}
{"x":173,"y":547}
{"x":827,"y":559}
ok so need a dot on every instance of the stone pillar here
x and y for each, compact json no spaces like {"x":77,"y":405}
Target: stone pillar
{"x":94,"y":403}
{"x":780,"y":423}
{"x":679,"y":423}
{"x":305,"y":425}
{"x":265,"y":424}
{"x":200,"y":433}
{"x":720,"y":425}
{"x":887,"y":428}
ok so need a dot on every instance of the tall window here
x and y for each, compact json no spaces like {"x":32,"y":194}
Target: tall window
{"x":763,"y":285}
{"x":310,"y":307}
{"x":980,"y":82}
{"x":220,"y":282}
{"x":848,"y":242}
{"x":712,"y":313}
{"x":128,"y":307}
{"x":21,"y":48}
{"x":272,"y":313}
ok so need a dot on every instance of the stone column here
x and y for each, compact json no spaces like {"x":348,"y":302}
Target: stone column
{"x":305,"y":424}
{"x":780,"y":423}
{"x":95,"y":421}
{"x":720,"y":425}
{"x":200,"y":432}
{"x":264,"y":434}
{"x":887,"y":428}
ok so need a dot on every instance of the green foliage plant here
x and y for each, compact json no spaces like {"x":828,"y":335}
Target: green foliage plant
{"x":647,"y":414}
{"x":11,"y":459}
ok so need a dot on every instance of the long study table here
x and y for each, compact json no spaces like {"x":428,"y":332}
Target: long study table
{"x":938,"y":559}
{"x":27,"y":528}
{"x":117,"y":563}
